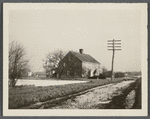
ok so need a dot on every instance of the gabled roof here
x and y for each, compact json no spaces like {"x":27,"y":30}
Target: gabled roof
{"x":84,"y":57}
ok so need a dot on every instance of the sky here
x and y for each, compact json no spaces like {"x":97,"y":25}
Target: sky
{"x":44,"y":31}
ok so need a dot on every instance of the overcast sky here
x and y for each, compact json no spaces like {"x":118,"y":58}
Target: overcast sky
{"x":43,"y":31}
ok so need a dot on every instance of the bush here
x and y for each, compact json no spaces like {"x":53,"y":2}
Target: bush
{"x":94,"y":77}
{"x":119,"y":75}
{"x":102,"y":76}
{"x":107,"y":74}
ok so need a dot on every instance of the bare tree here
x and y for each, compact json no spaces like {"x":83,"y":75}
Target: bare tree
{"x":85,"y":71}
{"x":17,"y":62}
{"x":104,"y":70}
{"x":52,"y":61}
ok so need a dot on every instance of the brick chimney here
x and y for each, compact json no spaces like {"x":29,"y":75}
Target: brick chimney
{"x":81,"y":51}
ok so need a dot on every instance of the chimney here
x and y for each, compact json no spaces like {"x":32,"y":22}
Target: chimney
{"x":81,"y":51}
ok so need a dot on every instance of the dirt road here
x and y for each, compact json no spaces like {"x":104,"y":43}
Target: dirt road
{"x":102,"y":97}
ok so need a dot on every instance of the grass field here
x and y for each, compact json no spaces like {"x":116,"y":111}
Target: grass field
{"x":49,"y":82}
{"x":21,"y":96}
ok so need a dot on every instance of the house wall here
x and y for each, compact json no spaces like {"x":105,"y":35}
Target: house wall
{"x":68,"y":62}
{"x":91,"y":66}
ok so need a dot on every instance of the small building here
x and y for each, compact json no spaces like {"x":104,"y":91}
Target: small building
{"x":30,"y":74}
{"x":40,"y":74}
{"x":79,"y":64}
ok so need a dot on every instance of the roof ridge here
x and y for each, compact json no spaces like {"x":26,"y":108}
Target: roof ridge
{"x":75,"y":55}
{"x":79,"y":53}
{"x":88,"y":57}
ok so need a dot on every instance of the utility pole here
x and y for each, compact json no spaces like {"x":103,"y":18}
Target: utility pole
{"x":114,"y":45}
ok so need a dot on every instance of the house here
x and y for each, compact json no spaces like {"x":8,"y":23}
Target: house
{"x":79,"y":64}
{"x":30,"y":73}
{"x":39,"y":74}
{"x":25,"y":73}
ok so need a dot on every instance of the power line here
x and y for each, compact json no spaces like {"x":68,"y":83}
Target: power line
{"x":114,"y":49}
{"x":113,"y":40}
{"x":114,"y":46}
{"x":114,"y":43}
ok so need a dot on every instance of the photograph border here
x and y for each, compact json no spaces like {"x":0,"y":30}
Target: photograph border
{"x":7,"y":112}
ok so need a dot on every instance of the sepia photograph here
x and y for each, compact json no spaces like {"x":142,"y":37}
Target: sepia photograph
{"x":75,"y":59}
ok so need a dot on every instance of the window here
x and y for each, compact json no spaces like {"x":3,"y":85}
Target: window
{"x":68,"y":72}
{"x":69,"y":58}
{"x":64,"y":64}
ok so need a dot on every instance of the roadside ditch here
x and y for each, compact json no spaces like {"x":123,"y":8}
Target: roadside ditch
{"x":116,"y":102}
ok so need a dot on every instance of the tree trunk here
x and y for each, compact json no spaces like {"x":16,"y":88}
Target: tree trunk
{"x":13,"y":82}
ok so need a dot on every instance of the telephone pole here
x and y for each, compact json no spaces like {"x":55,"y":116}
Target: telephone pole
{"x":114,"y":45}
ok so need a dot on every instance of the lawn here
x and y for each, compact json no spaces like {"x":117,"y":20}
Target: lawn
{"x":21,"y":96}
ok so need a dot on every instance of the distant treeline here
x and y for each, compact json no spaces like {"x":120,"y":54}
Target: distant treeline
{"x":121,"y":74}
{"x":135,"y":73}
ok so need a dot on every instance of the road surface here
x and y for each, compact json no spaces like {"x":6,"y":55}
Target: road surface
{"x":99,"y":98}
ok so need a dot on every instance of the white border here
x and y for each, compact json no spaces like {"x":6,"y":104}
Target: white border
{"x":81,"y":112}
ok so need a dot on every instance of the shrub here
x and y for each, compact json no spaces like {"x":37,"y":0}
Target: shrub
{"x":119,"y":75}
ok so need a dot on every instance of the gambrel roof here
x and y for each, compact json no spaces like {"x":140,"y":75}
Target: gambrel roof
{"x":84,"y":57}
